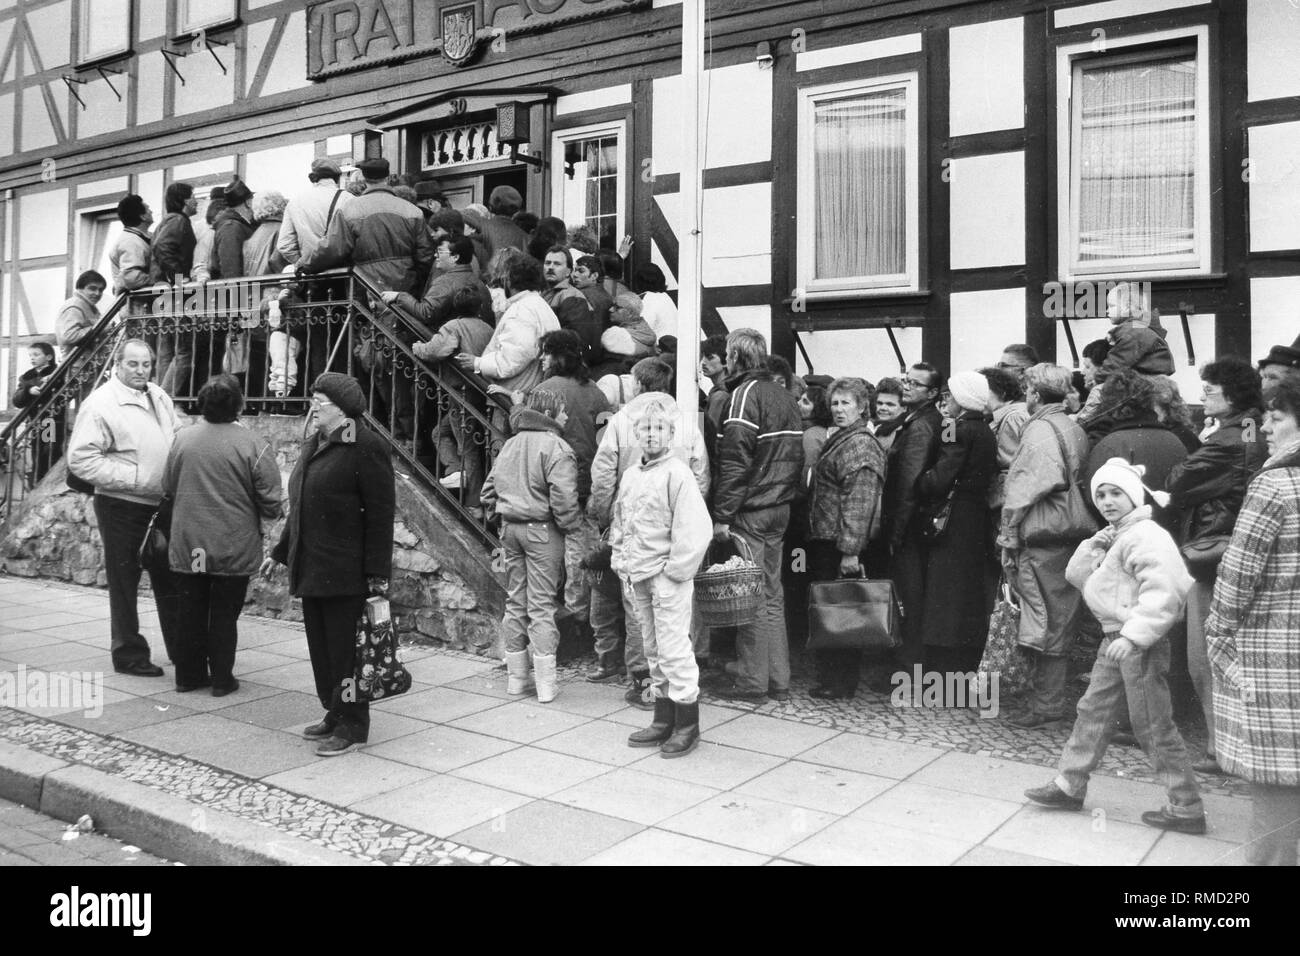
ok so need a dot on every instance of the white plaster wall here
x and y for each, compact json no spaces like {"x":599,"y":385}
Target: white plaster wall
{"x":1275,"y":185}
{"x":205,"y":86}
{"x":986,"y":88}
{"x":289,"y":68}
{"x":665,"y":126}
{"x":42,"y":224}
{"x":51,"y":31}
{"x":46,"y":289}
{"x":149,"y":90}
{"x":594,"y":99}
{"x":1272,"y":49}
{"x":283,"y":168}
{"x":987,"y":211}
{"x":6,"y":124}
{"x":757,"y":317}
{"x":104,"y":112}
{"x":1274,"y":317}
{"x":37,"y":132}
{"x":865,"y":353}
{"x":115,"y":187}
{"x":737,"y":227}
{"x":738,"y":103}
{"x":982,"y":324}
{"x":149,"y":187}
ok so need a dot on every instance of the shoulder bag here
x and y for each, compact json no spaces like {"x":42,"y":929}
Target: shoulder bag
{"x":1066,"y":521}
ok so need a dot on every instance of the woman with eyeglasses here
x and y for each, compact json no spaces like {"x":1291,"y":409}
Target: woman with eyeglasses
{"x":338,"y":544}
{"x":1207,"y":490}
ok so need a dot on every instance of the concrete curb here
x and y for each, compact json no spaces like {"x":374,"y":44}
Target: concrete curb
{"x":158,"y":822}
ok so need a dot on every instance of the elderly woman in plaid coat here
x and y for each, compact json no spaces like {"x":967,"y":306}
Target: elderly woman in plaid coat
{"x":1253,"y":642}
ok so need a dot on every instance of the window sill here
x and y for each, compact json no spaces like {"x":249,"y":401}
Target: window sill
{"x":830,"y":300}
{"x":104,"y":60}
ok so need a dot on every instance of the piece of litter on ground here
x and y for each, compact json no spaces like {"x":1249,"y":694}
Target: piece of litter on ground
{"x":162,"y":707}
{"x":130,"y":849}
{"x":84,"y":823}
{"x":70,"y":834}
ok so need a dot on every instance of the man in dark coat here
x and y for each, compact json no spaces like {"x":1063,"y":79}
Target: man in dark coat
{"x":501,"y":231}
{"x":452,"y":272}
{"x":230,"y":231}
{"x":760,"y":456}
{"x":913,"y":452}
{"x":338,"y":545}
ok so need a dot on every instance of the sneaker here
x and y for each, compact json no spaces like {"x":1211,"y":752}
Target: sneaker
{"x":1162,"y":819}
{"x":336,"y":746}
{"x":1054,"y":797}
{"x":1032,"y":720}
{"x":450,"y":482}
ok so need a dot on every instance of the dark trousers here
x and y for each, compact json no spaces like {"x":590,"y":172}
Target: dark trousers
{"x":907,"y":570}
{"x":122,"y":525}
{"x":209,"y":607}
{"x":331,"y":625}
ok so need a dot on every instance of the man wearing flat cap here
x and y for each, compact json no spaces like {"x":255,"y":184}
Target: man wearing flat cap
{"x":309,"y":213}
{"x":501,"y":231}
{"x":378,"y":234}
{"x":231,"y":230}
{"x":1279,"y":367}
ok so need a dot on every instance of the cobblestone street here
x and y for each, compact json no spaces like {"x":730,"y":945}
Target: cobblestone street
{"x":458,"y":773}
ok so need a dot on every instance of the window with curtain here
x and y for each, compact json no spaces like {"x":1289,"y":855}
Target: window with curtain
{"x":1135,"y":172}
{"x":105,"y":29}
{"x":858,"y":204}
{"x":590,"y":181}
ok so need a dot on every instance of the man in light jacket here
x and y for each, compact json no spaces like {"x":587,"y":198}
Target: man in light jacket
{"x":80,"y":314}
{"x":120,"y":445}
{"x":131,"y":256}
{"x":309,"y":213}
{"x":1038,"y":539}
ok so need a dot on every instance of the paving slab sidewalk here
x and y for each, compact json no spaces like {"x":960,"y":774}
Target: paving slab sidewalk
{"x":457,"y":772}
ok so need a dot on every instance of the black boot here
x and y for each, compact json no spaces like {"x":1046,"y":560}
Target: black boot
{"x":658,"y":731}
{"x":686,"y":731}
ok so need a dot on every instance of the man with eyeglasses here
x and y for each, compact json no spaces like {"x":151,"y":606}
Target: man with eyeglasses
{"x":914,"y":449}
{"x":1017,"y":359}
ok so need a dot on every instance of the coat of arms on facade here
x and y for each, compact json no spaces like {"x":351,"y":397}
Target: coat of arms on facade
{"x":459,"y":34}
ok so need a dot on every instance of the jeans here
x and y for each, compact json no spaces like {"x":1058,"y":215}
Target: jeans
{"x":610,"y":603}
{"x":577,"y":587}
{"x":122,"y":525}
{"x":331,"y":625}
{"x":663,"y":607}
{"x":762,"y":648}
{"x":1274,"y":825}
{"x":209,"y":606}
{"x":534,"y":553}
{"x":1198,"y":661}
{"x":1142,"y":678}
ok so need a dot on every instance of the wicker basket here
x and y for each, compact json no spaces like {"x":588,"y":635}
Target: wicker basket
{"x":729,"y":598}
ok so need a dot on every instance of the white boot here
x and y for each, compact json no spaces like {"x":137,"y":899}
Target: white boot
{"x":544,"y":669}
{"x":519,"y":680}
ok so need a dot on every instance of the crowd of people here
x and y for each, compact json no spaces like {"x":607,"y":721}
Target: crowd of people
{"x":1091,"y":495}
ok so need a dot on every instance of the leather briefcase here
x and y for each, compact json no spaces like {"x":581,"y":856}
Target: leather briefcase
{"x":854,"y":614}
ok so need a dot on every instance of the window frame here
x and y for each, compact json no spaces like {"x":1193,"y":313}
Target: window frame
{"x":561,"y":137}
{"x":1156,"y":45}
{"x":181,"y":8}
{"x":86,"y":60}
{"x":909,"y":281}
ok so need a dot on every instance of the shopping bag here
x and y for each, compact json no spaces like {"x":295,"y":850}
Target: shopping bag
{"x":378,"y":672}
{"x":853,"y":613}
{"x":1003,"y":654}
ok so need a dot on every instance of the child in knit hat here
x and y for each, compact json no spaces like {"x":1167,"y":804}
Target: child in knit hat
{"x":1134,"y":580}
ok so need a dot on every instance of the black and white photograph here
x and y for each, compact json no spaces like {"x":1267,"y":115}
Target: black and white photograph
{"x":653,"y":433}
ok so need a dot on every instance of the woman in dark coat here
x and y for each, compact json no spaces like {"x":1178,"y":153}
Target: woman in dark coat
{"x":1207,"y":490}
{"x":338,"y":544}
{"x":843,"y":509}
{"x":47,"y":442}
{"x":955,"y":613}
{"x":223,"y":482}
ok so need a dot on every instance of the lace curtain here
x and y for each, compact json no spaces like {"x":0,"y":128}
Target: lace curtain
{"x":1137,"y":160}
{"x":860,"y":150}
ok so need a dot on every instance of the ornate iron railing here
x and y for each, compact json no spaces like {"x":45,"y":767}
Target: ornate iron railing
{"x":437,"y":418}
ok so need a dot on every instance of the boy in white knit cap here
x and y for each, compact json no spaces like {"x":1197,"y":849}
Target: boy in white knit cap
{"x":1134,"y":580}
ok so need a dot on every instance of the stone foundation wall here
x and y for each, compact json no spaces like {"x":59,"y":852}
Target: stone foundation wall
{"x":443,"y":585}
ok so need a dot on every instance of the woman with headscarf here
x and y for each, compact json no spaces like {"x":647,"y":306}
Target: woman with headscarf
{"x":954,"y":615}
{"x":338,"y":545}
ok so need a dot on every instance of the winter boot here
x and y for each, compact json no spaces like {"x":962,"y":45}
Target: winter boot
{"x":519,"y":681}
{"x":544,"y":671}
{"x":639,"y":694}
{"x":660,"y":730}
{"x":686,"y":731}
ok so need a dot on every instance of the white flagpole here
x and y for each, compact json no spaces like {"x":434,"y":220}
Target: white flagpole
{"x":688,"y":226}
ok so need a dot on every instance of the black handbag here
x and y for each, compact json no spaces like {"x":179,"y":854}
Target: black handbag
{"x":1202,"y":555}
{"x":854,"y":614}
{"x":933,"y":529}
{"x":153,"y":553}
{"x":80,"y":485}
